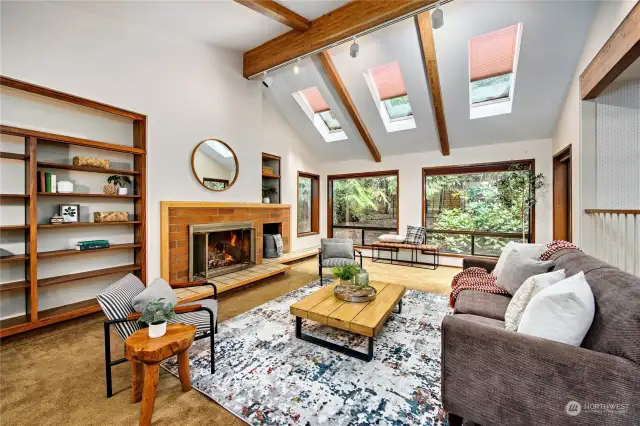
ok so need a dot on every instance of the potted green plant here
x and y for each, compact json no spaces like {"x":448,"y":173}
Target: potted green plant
{"x":346,"y":273}
{"x":156,"y":314}
{"x":123,"y":182}
{"x":267,"y":192}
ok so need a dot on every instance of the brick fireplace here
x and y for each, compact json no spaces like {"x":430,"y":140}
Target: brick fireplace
{"x":177,"y":216}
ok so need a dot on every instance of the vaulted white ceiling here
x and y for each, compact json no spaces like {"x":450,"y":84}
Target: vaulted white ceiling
{"x":553,"y":34}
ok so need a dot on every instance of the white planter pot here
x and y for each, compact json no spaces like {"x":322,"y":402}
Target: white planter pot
{"x":157,"y":330}
{"x":266,"y":200}
{"x":122,"y":191}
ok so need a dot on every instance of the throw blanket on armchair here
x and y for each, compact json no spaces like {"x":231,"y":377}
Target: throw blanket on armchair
{"x":479,"y":279}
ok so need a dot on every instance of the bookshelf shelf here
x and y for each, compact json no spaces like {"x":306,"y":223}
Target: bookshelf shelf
{"x":36,"y":317}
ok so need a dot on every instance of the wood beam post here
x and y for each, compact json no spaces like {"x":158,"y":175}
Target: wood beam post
{"x":620,"y":51}
{"x":277,"y":12}
{"x":425,"y":32}
{"x":341,"y":24}
{"x":338,"y":84}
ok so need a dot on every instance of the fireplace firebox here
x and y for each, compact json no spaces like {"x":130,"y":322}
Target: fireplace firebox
{"x":219,"y":249}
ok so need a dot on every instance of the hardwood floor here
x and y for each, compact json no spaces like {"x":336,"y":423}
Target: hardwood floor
{"x":55,"y":375}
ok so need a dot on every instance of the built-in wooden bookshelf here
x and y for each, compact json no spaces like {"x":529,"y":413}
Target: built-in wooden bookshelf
{"x":34,"y":317}
{"x":272,"y":179}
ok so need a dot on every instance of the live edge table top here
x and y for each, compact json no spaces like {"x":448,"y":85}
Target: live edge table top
{"x":365,"y":318}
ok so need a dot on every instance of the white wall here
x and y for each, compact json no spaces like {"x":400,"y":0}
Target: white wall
{"x":189,"y":92}
{"x":410,"y":167}
{"x":568,"y":128}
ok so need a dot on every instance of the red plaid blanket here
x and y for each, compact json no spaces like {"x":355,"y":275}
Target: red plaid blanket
{"x":479,"y":279}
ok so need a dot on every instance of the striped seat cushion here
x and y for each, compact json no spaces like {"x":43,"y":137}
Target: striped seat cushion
{"x":201,"y":319}
{"x":116,"y":303}
{"x":334,"y":262}
{"x":427,"y":247}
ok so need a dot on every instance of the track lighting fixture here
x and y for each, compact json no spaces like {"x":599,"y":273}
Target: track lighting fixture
{"x":267,"y":81}
{"x":354,"y":49}
{"x":437,"y":17}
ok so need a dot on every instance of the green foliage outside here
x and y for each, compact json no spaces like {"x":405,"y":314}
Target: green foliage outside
{"x":362,"y":200}
{"x":304,"y":204}
{"x":157,"y":312}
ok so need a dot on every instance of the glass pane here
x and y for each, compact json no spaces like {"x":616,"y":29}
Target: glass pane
{"x":304,"y":204}
{"x":330,"y":120}
{"x":491,"y":89}
{"x":365,"y":203}
{"x":475,"y":202}
{"x":398,"y":108}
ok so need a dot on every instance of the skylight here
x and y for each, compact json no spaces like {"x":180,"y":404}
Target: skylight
{"x":220,"y":149}
{"x":493,"y":61}
{"x":318,"y":111}
{"x":387,"y":88}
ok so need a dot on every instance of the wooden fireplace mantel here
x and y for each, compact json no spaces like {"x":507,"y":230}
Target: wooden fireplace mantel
{"x":179,"y":214}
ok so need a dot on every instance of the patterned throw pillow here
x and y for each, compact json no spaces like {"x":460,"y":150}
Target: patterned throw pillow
{"x":532,"y":286}
{"x":415,"y":235}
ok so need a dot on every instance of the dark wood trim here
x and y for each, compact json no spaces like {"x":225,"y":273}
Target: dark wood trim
{"x":66,"y":97}
{"x":430,"y":60}
{"x":31,"y":179}
{"x":223,"y":181}
{"x":193,"y":166}
{"x":13,"y":156}
{"x":618,"y":53}
{"x":79,"y":194}
{"x":277,"y":176}
{"x":338,"y":25}
{"x":44,"y":136}
{"x":347,"y":101}
{"x":277,"y":12}
{"x":315,"y":203}
{"x":331,"y":178}
{"x":46,"y":165}
{"x":74,"y":224}
{"x":73,"y":252}
{"x":140,"y":204}
{"x":43,"y":282}
{"x":611,"y":211}
{"x":564,"y":155}
{"x":500,"y":166}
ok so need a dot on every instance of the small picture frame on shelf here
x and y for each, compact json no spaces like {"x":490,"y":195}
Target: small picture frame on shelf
{"x":70,"y":212}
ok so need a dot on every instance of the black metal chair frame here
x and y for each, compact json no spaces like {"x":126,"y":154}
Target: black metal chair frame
{"x":355,"y":252}
{"x":213,"y":328}
{"x":414,"y":256}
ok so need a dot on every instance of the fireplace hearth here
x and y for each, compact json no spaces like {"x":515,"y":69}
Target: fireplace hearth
{"x":219,"y":249}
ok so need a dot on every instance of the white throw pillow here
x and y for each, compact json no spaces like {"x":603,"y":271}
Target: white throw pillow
{"x":391,"y":238}
{"x":532,"y":286}
{"x":562,"y":312}
{"x":531,"y":251}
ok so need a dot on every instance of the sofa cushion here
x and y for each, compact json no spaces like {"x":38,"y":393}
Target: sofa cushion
{"x":488,"y":305}
{"x":531,"y":251}
{"x":616,"y":323}
{"x":518,"y":268}
{"x":482,"y":320}
{"x":562,"y":312}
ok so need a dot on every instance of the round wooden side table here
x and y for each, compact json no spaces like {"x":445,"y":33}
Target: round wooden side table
{"x":142,"y":350}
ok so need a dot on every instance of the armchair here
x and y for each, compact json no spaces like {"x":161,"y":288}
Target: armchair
{"x":337,"y":252}
{"x":116,"y":303}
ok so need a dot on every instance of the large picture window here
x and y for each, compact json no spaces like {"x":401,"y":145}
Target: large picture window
{"x":308,"y":204}
{"x":363,"y":206}
{"x":464,"y":209}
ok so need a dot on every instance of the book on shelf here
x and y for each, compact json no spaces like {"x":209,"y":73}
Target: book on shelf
{"x":92,"y":245}
{"x":53,"y":183}
{"x":47,"y":182}
{"x":41,"y":181}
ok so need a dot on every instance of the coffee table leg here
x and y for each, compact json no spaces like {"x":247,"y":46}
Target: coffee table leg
{"x":399,"y":311}
{"x":137,"y":381}
{"x":149,"y":393}
{"x":330,"y":345}
{"x":183,"y":371}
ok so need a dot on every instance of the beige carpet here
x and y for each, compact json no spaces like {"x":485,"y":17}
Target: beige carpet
{"x":55,"y":376}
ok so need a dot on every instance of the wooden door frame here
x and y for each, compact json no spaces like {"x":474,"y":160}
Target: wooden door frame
{"x":560,"y":157}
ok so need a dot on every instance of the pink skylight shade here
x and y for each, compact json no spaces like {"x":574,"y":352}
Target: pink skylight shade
{"x":388,"y":80}
{"x":315,"y":100}
{"x":492,"y":54}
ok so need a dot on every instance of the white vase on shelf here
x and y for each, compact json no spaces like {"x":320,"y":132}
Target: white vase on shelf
{"x":123,"y":191}
{"x":157,"y":330}
{"x":266,"y":200}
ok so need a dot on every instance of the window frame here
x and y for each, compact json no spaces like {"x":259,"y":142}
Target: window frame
{"x":382,"y":173}
{"x":500,"y":166}
{"x":315,"y":203}
{"x":225,"y":182}
{"x":393,"y":120}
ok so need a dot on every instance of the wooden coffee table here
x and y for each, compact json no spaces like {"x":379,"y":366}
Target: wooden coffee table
{"x":364,"y":318}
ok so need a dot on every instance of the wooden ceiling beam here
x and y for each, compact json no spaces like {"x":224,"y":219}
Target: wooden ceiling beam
{"x":620,"y":51}
{"x":338,"y":84}
{"x":341,"y":24}
{"x":425,"y":34}
{"x":278,"y":12}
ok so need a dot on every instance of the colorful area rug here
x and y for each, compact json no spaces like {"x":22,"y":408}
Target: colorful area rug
{"x":265,"y":376}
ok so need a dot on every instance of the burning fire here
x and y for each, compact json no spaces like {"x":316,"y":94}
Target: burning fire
{"x":218,"y":253}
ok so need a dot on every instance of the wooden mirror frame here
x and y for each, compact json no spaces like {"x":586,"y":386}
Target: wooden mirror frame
{"x":235,"y":158}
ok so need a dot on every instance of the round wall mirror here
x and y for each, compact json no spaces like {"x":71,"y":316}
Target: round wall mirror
{"x":214,"y":164}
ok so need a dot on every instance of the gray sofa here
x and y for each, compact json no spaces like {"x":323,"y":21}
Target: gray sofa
{"x":492,"y":376}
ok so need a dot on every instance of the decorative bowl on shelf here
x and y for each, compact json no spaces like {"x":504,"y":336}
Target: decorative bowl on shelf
{"x":110,"y":189}
{"x":354,"y":293}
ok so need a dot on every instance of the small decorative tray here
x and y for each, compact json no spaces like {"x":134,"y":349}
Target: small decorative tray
{"x":354,"y":293}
